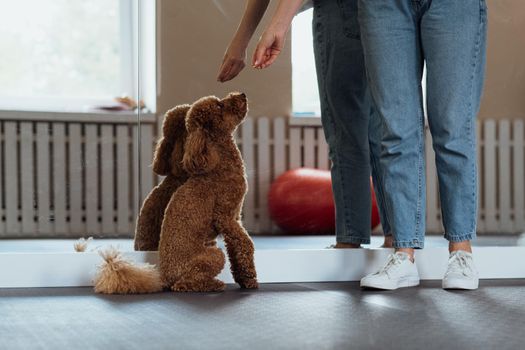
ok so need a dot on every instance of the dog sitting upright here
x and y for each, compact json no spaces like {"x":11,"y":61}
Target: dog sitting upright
{"x":209,"y":203}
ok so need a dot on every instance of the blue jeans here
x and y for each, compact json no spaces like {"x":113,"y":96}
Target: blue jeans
{"x":351,"y":127}
{"x":449,"y":36}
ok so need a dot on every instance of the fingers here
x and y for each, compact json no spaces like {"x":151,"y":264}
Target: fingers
{"x":230,"y":69}
{"x":265,"y":58}
{"x":259,"y":54}
{"x":270,"y":57}
{"x":234,"y":71}
{"x":223,"y":71}
{"x":269,"y":47}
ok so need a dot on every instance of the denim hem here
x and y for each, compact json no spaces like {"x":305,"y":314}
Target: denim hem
{"x":416,"y":244}
{"x":460,"y":237}
{"x":352,"y":240}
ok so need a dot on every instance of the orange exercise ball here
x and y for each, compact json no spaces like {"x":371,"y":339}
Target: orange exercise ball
{"x":375,"y":220}
{"x":301,"y":202}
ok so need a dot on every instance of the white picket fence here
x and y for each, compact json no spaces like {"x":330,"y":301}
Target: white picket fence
{"x":70,"y":176}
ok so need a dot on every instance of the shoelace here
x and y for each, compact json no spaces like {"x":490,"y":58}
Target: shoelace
{"x":393,"y":261}
{"x":459,"y":263}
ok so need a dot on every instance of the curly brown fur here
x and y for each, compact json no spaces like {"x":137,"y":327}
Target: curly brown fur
{"x":166,"y":161}
{"x":209,"y":203}
{"x":149,"y":222}
{"x":120,"y":276}
{"x":173,"y":138}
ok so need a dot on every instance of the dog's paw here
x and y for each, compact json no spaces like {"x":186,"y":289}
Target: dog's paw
{"x":249,"y":284}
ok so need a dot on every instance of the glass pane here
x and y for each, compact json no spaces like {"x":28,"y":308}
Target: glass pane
{"x":61,"y":49}
{"x":69,"y":146}
{"x":304,"y":79}
{"x":77,"y":174}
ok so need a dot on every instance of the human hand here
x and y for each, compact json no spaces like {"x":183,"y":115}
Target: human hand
{"x":232,"y":63}
{"x":269,"y":47}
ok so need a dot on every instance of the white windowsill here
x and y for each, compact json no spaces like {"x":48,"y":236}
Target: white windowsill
{"x":273,"y":265}
{"x":53,"y":263}
{"x":300,"y":120}
{"x":84,"y":116}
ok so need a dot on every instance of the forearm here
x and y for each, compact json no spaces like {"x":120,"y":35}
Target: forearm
{"x":284,"y":14}
{"x":253,"y":14}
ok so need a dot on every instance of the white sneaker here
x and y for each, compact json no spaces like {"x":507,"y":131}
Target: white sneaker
{"x":461,"y":272}
{"x":398,"y":272}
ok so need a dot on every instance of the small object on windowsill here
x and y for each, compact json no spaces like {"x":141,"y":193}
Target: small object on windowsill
{"x":123,"y":103}
{"x":130,"y":102}
{"x":82,"y":244}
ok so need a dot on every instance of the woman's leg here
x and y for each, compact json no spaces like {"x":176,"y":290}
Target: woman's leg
{"x":391,"y":41}
{"x":346,"y":109}
{"x":453,"y":37}
{"x":453,"y":40}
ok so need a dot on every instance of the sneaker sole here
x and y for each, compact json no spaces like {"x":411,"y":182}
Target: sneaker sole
{"x":402,"y":283}
{"x":460,"y":284}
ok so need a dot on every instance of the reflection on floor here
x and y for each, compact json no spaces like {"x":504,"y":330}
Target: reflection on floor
{"x":261,"y":242}
{"x":278,"y":316}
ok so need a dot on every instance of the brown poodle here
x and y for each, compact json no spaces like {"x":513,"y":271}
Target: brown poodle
{"x":167,"y":161}
{"x":209,"y":203}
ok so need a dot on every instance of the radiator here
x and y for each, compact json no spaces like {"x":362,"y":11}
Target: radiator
{"x":74,"y":177}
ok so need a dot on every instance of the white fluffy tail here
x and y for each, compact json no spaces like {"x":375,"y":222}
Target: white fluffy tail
{"x":120,"y":276}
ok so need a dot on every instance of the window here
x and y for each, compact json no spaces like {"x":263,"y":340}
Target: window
{"x":305,"y":93}
{"x":63,"y":52}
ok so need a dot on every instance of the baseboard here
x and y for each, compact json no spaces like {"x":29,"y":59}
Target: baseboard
{"x":27,"y":270}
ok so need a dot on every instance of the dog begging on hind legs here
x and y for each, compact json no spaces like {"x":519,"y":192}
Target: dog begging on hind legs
{"x":190,"y":212}
{"x":208,"y":203}
{"x":166,"y":161}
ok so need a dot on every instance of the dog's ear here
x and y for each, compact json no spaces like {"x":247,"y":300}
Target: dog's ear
{"x":161,"y":158}
{"x":200,"y":152}
{"x":174,"y":132}
{"x":177,"y":155}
